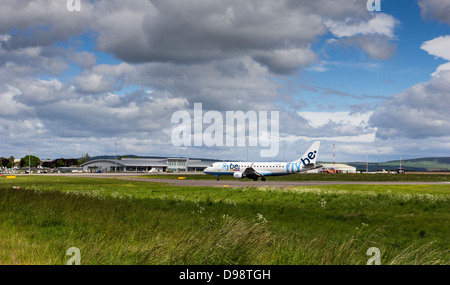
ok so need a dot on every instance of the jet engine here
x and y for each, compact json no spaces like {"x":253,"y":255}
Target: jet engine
{"x":238,"y":175}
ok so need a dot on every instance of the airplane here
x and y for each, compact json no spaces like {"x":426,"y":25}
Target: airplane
{"x":255,"y":170}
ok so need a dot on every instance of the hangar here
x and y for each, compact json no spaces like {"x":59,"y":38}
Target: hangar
{"x":338,"y":168}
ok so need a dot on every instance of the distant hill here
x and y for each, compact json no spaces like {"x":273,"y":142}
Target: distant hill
{"x":416,"y":164}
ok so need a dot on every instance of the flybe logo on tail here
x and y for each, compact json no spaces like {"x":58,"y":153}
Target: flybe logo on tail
{"x":307,"y":160}
{"x":296,"y":166}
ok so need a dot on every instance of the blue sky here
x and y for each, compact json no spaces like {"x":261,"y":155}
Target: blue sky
{"x":116,"y":71}
{"x":350,"y":70}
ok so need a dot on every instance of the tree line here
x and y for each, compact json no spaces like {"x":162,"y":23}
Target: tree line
{"x":34,"y":161}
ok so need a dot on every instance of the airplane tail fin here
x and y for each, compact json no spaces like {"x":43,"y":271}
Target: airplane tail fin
{"x":307,"y":161}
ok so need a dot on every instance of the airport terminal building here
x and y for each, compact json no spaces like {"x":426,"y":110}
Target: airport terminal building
{"x":146,"y":165}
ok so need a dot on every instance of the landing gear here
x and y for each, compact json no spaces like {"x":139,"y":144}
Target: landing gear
{"x":217,"y":178}
{"x":255,"y":179}
{"x":263,"y":178}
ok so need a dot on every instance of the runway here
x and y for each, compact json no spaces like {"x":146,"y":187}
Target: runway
{"x":274,"y":184}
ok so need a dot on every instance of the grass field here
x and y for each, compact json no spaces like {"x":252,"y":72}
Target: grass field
{"x":411,"y":177}
{"x":124,"y":222}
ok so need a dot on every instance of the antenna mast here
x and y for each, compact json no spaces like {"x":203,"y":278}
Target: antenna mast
{"x":367,"y":162}
{"x":334,"y":158}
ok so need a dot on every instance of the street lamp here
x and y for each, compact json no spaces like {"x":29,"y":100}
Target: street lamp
{"x":115,"y":160}
{"x":29,"y":161}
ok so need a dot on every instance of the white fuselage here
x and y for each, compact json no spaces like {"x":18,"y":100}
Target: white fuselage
{"x":265,"y":168}
{"x":261,"y":169}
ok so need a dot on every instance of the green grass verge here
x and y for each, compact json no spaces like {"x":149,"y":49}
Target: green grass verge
{"x":121,"y":222}
{"x":320,"y":177}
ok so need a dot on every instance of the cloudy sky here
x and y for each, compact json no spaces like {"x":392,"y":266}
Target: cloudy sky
{"x":115,"y":71}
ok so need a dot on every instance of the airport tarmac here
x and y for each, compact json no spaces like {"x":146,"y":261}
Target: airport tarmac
{"x":232,"y":183}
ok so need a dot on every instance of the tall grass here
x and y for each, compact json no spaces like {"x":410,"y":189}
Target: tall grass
{"x":117,"y":222}
{"x":39,"y":226}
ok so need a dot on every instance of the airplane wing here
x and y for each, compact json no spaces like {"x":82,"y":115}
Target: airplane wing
{"x":311,"y":166}
{"x":250,"y":172}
